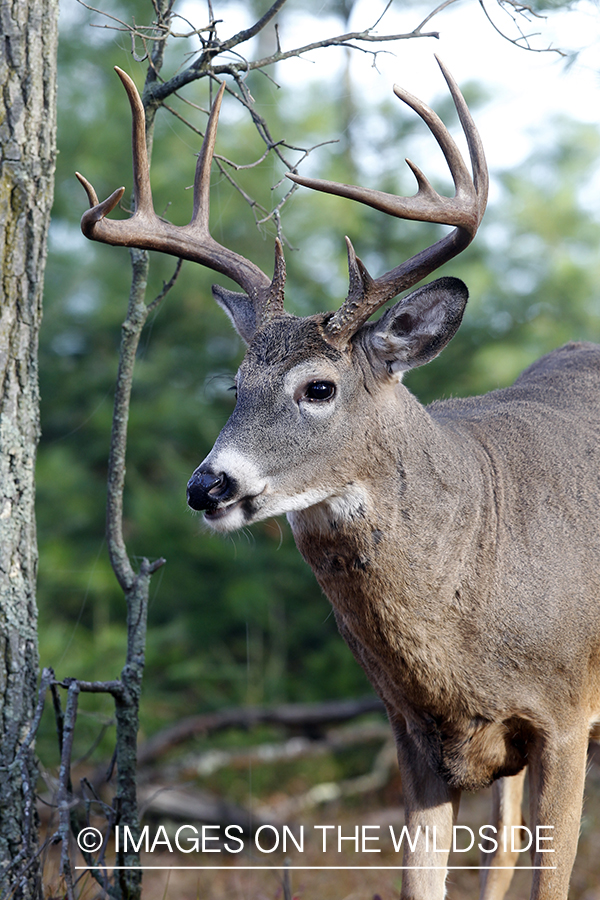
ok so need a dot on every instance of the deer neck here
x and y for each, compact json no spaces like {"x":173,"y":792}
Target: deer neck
{"x":398,"y":554}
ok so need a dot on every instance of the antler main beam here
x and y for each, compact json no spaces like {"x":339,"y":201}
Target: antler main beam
{"x":464,"y":211}
{"x":148,"y":231}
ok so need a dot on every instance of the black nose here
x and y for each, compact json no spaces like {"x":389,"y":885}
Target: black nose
{"x":206,"y":489}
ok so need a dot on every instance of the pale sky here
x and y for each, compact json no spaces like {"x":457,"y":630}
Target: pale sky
{"x":528,"y":87}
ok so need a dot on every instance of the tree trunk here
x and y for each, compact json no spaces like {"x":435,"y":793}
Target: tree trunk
{"x":27,"y":157}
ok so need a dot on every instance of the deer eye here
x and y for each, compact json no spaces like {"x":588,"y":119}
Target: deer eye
{"x":319,"y":391}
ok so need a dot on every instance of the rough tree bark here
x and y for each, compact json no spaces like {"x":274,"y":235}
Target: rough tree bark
{"x":27,"y":155}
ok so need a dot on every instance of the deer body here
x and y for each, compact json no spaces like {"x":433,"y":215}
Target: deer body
{"x":459,"y":544}
{"x":467,"y":581}
{"x":452,"y":541}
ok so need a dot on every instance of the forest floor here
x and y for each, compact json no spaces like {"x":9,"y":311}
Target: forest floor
{"x":179,"y":881}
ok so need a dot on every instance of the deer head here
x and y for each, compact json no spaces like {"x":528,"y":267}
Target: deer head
{"x":309,"y":387}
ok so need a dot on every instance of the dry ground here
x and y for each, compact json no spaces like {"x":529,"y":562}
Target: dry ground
{"x":237,"y":883}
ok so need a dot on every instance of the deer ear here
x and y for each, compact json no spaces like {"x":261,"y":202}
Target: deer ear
{"x":417,"y":328}
{"x":240,"y":310}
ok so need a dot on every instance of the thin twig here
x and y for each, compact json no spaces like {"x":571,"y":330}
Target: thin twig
{"x":95,"y":687}
{"x":523,"y":41}
{"x":167,"y":286}
{"x":242,"y":36}
{"x":146,"y":30}
{"x":45,"y":682}
{"x":64,"y":789}
{"x":437,"y":10}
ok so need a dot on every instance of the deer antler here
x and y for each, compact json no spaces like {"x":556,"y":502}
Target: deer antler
{"x":148,"y":231}
{"x":464,"y":210}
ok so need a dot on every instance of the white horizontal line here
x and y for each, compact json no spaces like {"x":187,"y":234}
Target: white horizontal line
{"x":309,"y":868}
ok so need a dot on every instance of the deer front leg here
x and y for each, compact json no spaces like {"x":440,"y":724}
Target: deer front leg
{"x":507,"y":796}
{"x":430,"y":809}
{"x":556,"y":781}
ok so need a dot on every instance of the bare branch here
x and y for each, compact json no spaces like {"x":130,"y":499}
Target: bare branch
{"x":242,"y":36}
{"x":190,"y":803}
{"x":115,"y":688}
{"x":437,"y":10}
{"x":133,"y":29}
{"x":342,"y":40}
{"x":308,"y":716}
{"x":45,"y":681}
{"x":523,"y":42}
{"x":205,"y":65}
{"x":167,"y":286}
{"x":252,"y":203}
{"x":64,"y":791}
{"x":148,"y":31}
{"x":207,"y":762}
{"x":384,"y":765}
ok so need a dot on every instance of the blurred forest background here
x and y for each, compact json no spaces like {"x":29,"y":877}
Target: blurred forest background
{"x":240,"y":620}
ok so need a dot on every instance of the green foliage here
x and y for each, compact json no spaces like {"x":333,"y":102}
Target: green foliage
{"x":241,"y":620}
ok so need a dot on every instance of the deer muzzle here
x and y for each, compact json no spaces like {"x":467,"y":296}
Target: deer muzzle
{"x":207,"y":490}
{"x":228,"y":487}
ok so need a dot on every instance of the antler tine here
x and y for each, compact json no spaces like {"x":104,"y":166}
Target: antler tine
{"x":92,"y":221}
{"x":142,"y":191}
{"x":481,"y":179}
{"x":464,"y":211}
{"x":269,"y":303}
{"x":147,"y":231}
{"x":205,"y":157}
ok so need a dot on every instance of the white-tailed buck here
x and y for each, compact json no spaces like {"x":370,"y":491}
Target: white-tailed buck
{"x":459,"y":544}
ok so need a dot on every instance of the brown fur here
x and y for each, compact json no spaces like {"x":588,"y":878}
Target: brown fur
{"x":460,"y":550}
